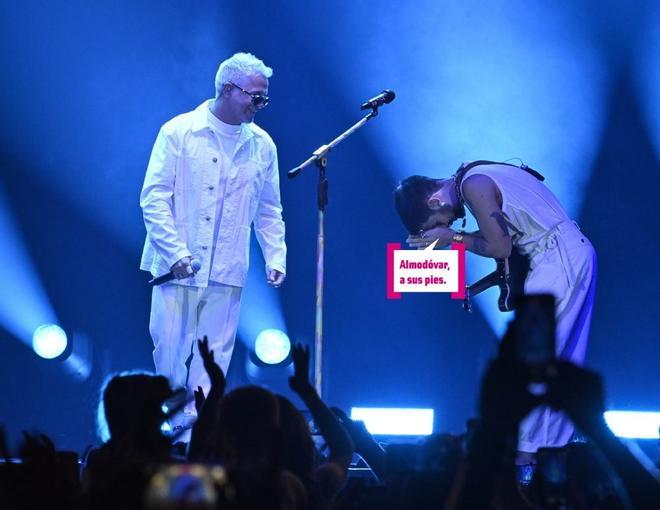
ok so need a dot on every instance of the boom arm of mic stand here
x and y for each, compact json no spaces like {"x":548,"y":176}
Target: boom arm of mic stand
{"x":323,"y":150}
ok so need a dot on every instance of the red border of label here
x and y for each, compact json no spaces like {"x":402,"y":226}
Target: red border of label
{"x":460,"y":248}
{"x":391,"y":247}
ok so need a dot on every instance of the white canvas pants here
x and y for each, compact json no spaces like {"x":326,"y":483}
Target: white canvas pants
{"x":564,"y":266}
{"x":179,"y":316}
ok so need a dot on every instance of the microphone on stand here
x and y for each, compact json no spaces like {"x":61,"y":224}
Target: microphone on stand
{"x":195,"y":264}
{"x":385,"y":97}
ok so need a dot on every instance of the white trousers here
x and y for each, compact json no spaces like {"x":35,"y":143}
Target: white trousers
{"x":179,"y":316}
{"x":565,"y":267}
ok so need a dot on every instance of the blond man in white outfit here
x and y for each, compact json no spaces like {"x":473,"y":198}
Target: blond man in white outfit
{"x":513,"y":207}
{"x":213,"y":174}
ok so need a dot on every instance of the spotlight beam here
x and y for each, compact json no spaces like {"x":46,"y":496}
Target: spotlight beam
{"x":24,"y":304}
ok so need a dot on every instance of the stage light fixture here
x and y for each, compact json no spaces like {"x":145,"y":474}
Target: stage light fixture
{"x":166,"y":428}
{"x":49,"y":341}
{"x":395,"y":421}
{"x":634,"y":424}
{"x":272,"y":346}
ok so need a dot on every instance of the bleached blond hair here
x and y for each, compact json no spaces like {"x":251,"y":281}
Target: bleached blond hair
{"x":237,"y":66}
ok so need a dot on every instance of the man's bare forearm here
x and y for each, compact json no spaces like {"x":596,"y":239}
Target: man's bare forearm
{"x":480,"y":245}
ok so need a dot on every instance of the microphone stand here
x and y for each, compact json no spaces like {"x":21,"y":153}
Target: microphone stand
{"x":320,"y":158}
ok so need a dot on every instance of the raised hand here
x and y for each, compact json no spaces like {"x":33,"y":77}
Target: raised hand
{"x":4,"y":446}
{"x":577,"y":391}
{"x":212,"y":368}
{"x":338,"y":441}
{"x":299,"y":381}
{"x":199,"y":399}
{"x":355,"y":428}
{"x":37,"y":447}
{"x":206,"y":407}
{"x":505,"y":397}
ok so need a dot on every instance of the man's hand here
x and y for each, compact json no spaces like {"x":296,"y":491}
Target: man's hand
{"x":442,"y":234}
{"x":275,"y":278}
{"x":299,"y":382}
{"x":212,"y":368}
{"x":183,"y":268}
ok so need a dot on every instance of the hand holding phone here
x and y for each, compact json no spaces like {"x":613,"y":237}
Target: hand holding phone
{"x":535,"y":329}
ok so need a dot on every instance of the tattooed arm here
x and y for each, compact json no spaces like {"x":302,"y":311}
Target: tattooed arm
{"x":492,"y":240}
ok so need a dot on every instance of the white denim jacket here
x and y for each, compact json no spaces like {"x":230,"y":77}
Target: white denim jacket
{"x":180,"y":195}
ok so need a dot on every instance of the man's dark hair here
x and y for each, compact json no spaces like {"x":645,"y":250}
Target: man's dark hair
{"x":411,"y":200}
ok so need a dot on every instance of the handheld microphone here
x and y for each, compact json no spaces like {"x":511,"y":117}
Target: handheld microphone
{"x":385,"y":97}
{"x":195,"y":264}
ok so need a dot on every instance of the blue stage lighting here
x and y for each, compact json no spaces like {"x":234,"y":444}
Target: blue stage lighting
{"x":395,"y":421}
{"x":20,"y":312}
{"x":272,"y":346}
{"x":634,"y":424}
{"x":166,"y":428}
{"x":458,"y":102}
{"x":261,"y":307}
{"x":49,"y":341}
{"x":648,"y":77}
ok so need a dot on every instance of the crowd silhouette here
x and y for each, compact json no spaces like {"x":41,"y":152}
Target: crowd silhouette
{"x":253,"y":449}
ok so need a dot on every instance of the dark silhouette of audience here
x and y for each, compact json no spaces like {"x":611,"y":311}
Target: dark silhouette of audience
{"x":116,"y":473}
{"x":253,"y":449}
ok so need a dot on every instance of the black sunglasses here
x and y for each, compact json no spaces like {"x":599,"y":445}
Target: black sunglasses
{"x":260,"y":100}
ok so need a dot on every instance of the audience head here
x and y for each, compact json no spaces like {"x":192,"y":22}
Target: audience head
{"x":247,"y":426}
{"x":131,"y":405}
